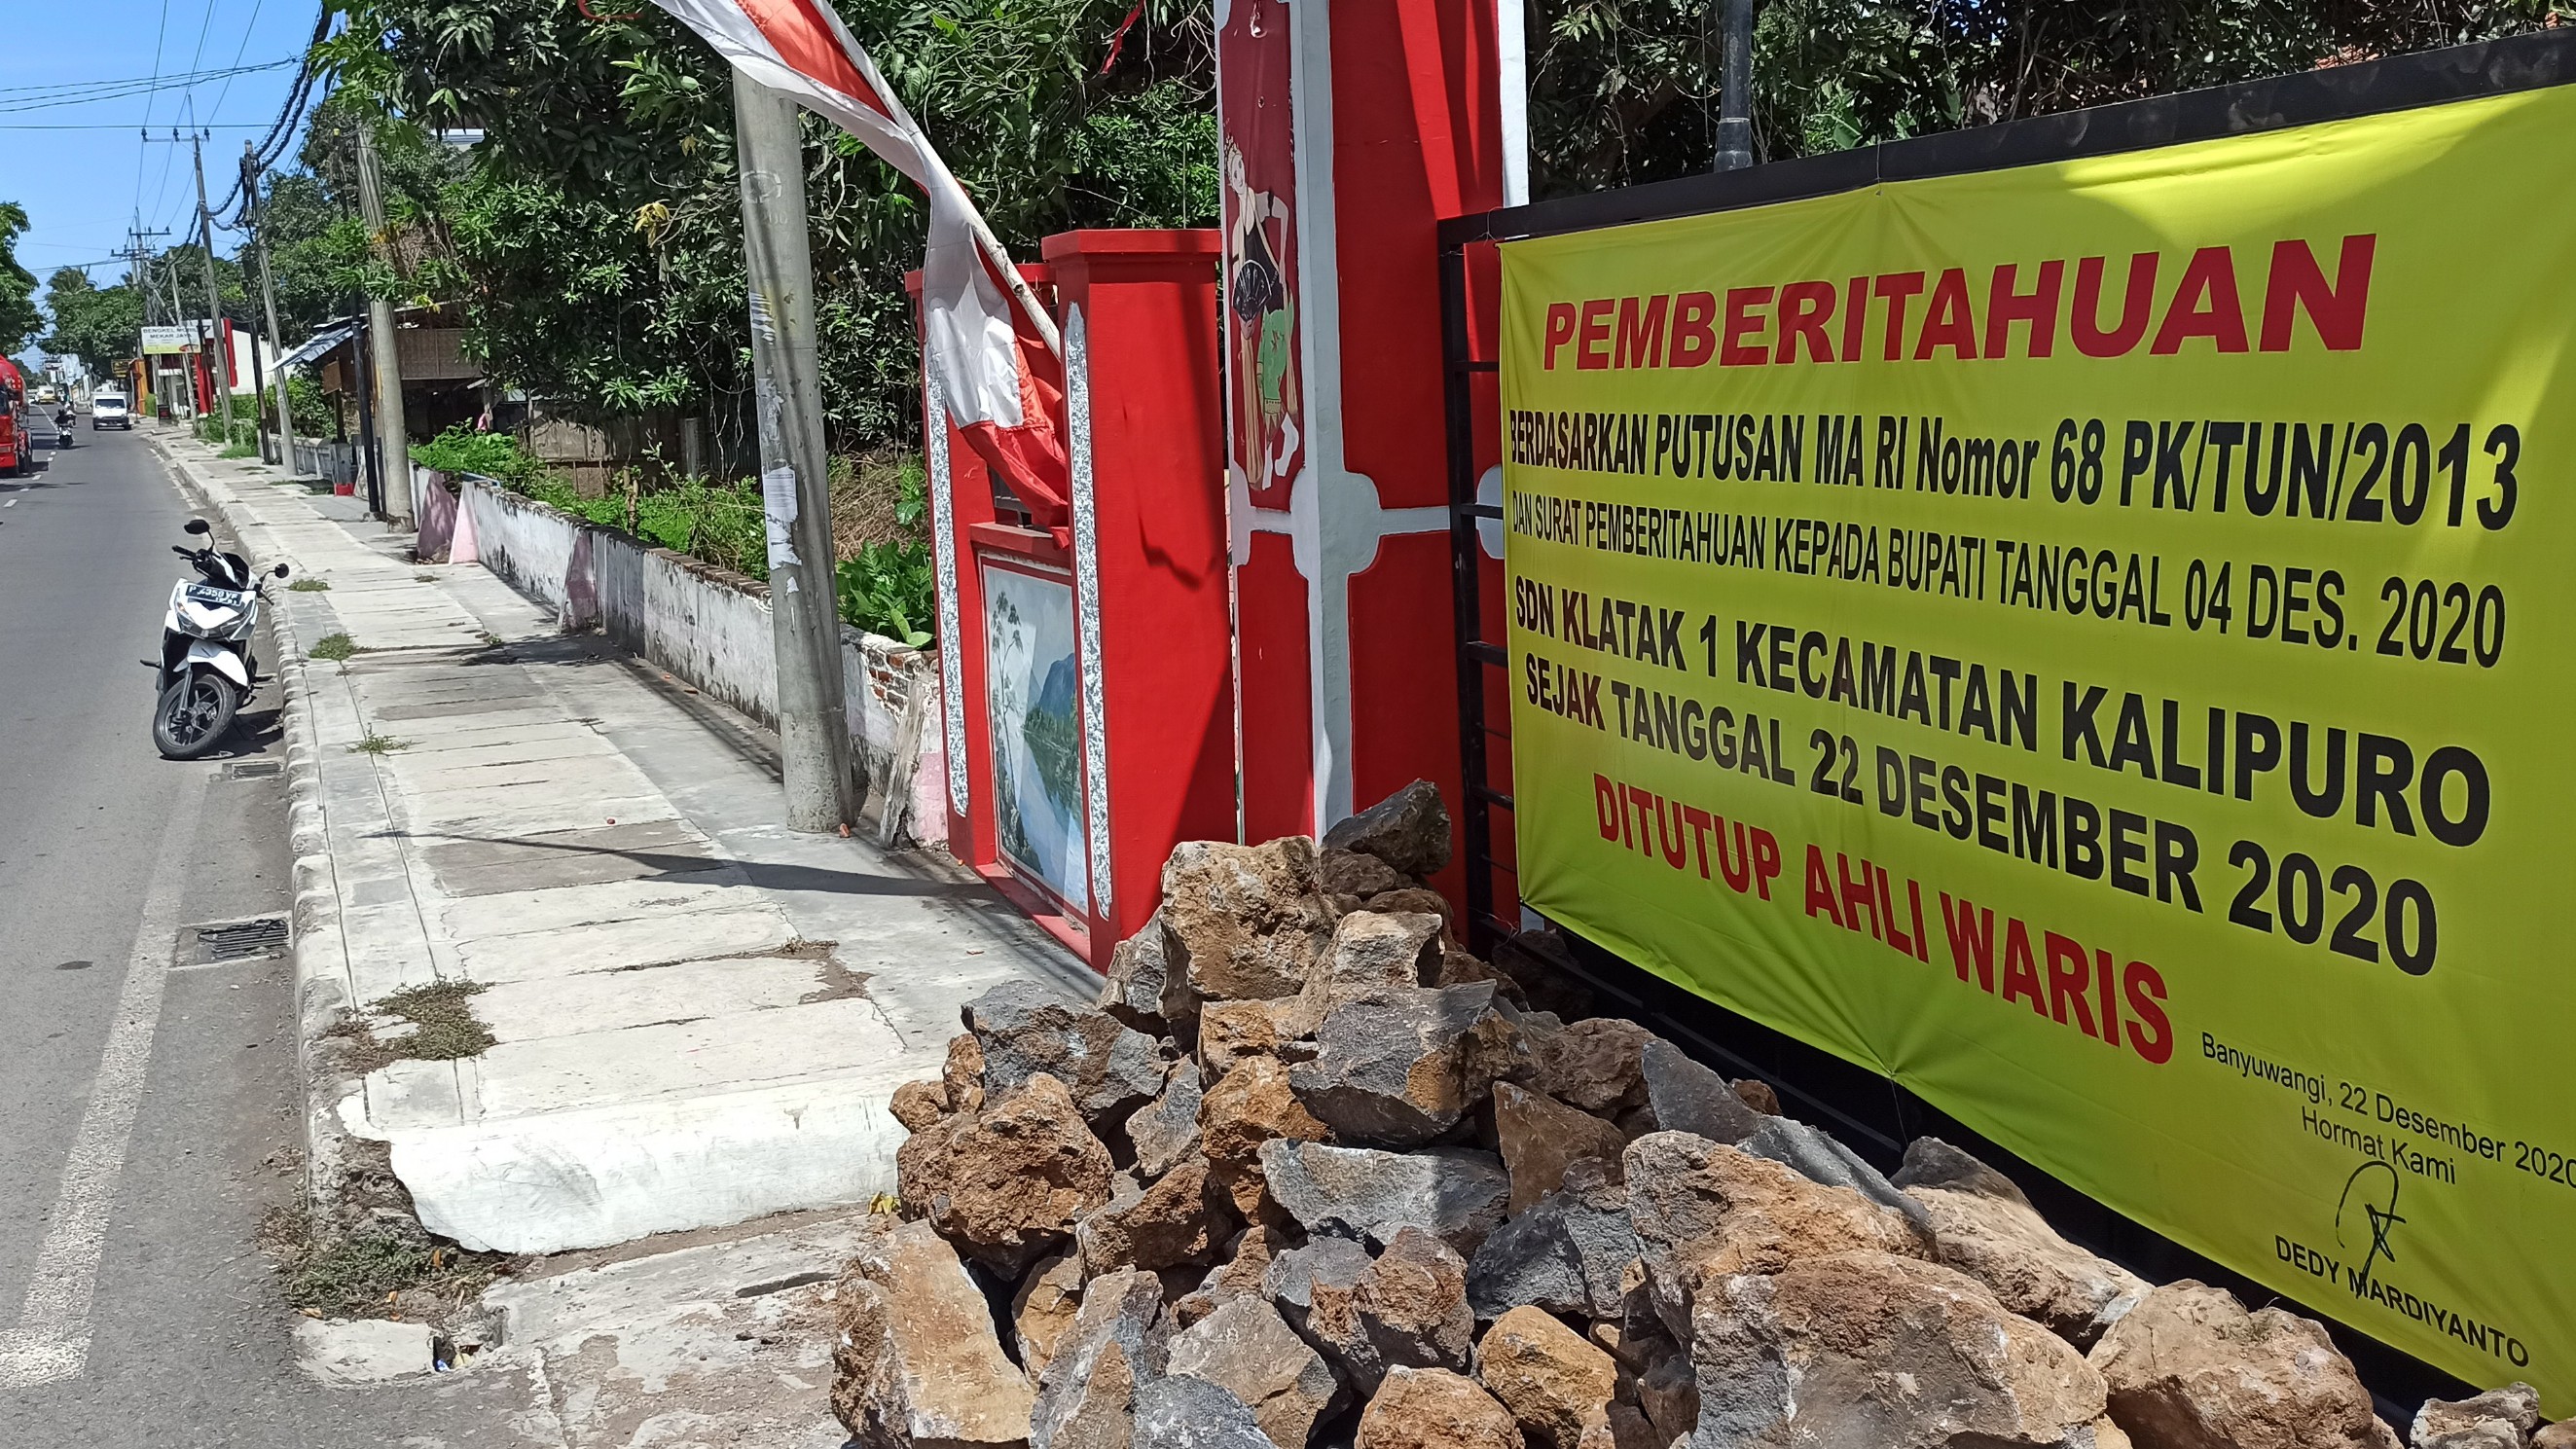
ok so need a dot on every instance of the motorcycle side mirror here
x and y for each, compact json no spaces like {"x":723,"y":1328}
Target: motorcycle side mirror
{"x":280,"y":571}
{"x":198,"y":525}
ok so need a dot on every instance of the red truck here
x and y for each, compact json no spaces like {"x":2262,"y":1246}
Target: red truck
{"x":16,"y":455}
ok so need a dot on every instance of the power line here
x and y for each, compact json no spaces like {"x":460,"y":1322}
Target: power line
{"x":247,"y":28}
{"x":44,"y":98}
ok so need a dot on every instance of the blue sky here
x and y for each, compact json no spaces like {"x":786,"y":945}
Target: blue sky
{"x":83,"y":187}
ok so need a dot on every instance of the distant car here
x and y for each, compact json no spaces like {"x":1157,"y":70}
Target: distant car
{"x":107,"y":410}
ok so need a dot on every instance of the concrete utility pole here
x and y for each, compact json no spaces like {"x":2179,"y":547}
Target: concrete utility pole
{"x":1735,"y":90}
{"x":813,"y":721}
{"x":390,"y":438}
{"x":258,"y":215}
{"x":214,"y":298}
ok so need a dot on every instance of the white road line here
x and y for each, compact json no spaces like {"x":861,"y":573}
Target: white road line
{"x":51,"y":1340}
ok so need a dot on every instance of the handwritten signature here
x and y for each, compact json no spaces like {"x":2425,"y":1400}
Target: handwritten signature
{"x":2381,"y":1216}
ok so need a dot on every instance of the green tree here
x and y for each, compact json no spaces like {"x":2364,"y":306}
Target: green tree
{"x":1625,"y":91}
{"x":19,"y":319}
{"x":99,"y":325}
{"x":594,"y":236}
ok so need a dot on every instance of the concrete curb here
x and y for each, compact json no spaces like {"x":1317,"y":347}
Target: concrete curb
{"x":315,"y":939}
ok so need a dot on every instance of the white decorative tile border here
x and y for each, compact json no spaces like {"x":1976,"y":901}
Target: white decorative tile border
{"x":943,"y":562}
{"x":1086,"y":602}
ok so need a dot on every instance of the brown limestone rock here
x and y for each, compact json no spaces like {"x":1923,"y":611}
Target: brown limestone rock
{"x":2497,"y":1419}
{"x":1540,"y":1137}
{"x":1009,"y":1182}
{"x":1593,"y":1064}
{"x":1668,"y":1395}
{"x":1435,"y":1409}
{"x":1245,"y":1348}
{"x":1626,"y":1428}
{"x":918,"y":1104}
{"x":1229,"y":1031}
{"x":915,"y":1358}
{"x":1247,"y":1260}
{"x":1703,"y":1211}
{"x":1409,"y":830}
{"x":1411,"y":1305}
{"x":2027,"y":1266}
{"x":1247,"y":922}
{"x":1248,"y":1106}
{"x":1179,"y":1220}
{"x":2189,"y":1368}
{"x":1349,"y":873}
{"x":2561,"y":1435}
{"x":963,"y":1073}
{"x":1411,"y":897}
{"x":1044,"y":1308}
{"x":1757,"y":1094}
{"x":1556,"y":1384}
{"x":1895,"y":1353}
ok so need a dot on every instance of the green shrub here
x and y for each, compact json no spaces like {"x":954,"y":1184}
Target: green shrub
{"x":493,"y":455}
{"x":888,"y":589}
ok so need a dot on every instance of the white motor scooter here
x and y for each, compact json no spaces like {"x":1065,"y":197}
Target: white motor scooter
{"x":206,"y":669}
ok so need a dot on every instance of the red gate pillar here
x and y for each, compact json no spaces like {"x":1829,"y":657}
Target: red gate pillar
{"x":1347,"y":131}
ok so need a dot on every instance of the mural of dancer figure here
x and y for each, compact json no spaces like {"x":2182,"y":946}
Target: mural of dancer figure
{"x":1267,"y":409}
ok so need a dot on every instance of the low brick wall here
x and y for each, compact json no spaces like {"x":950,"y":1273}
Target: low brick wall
{"x":711,"y":627}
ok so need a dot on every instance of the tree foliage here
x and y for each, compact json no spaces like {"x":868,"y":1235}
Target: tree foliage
{"x":19,"y":319}
{"x":594,"y":232}
{"x":98,"y":325}
{"x":1625,"y":91}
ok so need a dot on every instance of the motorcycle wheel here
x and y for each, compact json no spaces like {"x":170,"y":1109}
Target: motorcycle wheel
{"x":193,"y":714}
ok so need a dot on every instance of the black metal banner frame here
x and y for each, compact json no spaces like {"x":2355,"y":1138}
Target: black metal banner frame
{"x":1874,"y":1114}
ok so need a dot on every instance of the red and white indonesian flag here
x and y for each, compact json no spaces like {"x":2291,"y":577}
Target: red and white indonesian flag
{"x":985,"y":360}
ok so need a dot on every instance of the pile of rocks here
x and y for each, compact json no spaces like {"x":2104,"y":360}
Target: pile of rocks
{"x":1311,"y":1174}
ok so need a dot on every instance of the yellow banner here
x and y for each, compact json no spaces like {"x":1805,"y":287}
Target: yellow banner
{"x":2093,"y":642}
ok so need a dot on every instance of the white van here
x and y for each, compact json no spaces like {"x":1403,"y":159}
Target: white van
{"x":107,"y":410}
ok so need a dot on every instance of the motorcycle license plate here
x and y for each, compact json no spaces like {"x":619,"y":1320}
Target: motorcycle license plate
{"x":209,"y":594}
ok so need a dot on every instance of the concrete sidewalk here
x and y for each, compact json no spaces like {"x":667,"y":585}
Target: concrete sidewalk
{"x":699,"y":1016}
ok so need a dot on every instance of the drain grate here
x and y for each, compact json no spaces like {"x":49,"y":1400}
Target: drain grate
{"x":254,"y":769}
{"x":241,"y":940}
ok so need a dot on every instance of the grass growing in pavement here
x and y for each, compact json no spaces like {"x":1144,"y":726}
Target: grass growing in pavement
{"x":424,"y":578}
{"x":334,"y":647}
{"x":372,"y":1271}
{"x":239,"y":450}
{"x":310,"y":586}
{"x":442,"y":1022}
{"x":372,"y":743}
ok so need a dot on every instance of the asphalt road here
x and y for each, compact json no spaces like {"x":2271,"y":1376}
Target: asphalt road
{"x":148,"y":1116}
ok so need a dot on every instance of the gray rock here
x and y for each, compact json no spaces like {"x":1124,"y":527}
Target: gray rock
{"x":1316,"y":1289}
{"x":1872,"y":1349}
{"x":1383,"y":948}
{"x":1568,"y":1254}
{"x":2497,"y":1419}
{"x":1183,"y":1412}
{"x":1142,"y":989}
{"x":1402,"y":1065}
{"x":1087,"y":1396}
{"x":1165,"y":1131}
{"x":1688,"y":1097}
{"x":1668,"y":1394}
{"x":1245,"y":1348}
{"x":1455,"y":1194}
{"x":1819,"y":1158}
{"x":1409,"y":830}
{"x":1110,"y":1068}
{"x":1349,"y":873}
{"x":1931,"y":1162}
